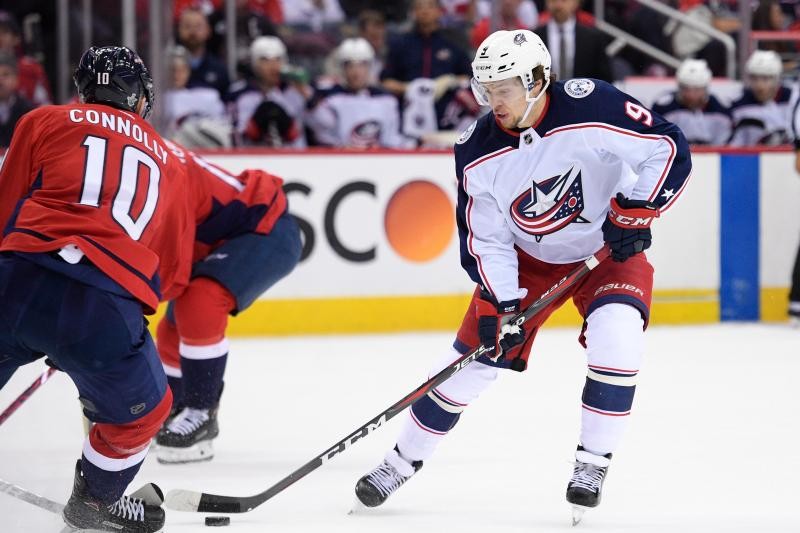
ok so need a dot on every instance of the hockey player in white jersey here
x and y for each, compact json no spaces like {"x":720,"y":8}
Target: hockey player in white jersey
{"x":556,"y":171}
{"x":762,"y":115}
{"x":356,"y":113}
{"x":698,"y":113}
{"x":267,"y":109}
{"x":794,"y":292}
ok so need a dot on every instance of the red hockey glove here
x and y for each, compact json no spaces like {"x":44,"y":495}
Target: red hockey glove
{"x":494,"y":330}
{"x":627,"y":228}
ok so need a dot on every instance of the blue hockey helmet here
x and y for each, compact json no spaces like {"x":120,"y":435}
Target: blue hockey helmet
{"x":115,"y":76}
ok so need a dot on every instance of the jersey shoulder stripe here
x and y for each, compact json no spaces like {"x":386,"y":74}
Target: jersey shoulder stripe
{"x":602,"y":102}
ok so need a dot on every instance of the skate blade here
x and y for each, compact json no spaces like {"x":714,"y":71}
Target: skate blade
{"x":202,"y":451}
{"x":357,"y":508}
{"x":577,"y":514}
{"x":69,"y":529}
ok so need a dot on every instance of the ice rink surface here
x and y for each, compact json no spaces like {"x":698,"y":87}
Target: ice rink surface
{"x":712,"y":443}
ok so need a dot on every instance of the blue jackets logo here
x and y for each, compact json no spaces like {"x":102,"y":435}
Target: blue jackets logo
{"x":550,"y":205}
{"x":579,"y":87}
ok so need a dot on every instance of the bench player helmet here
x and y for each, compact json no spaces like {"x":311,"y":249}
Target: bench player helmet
{"x":511,"y":54}
{"x":356,"y":49}
{"x":694,"y":73}
{"x":267,"y":47}
{"x":764,"y":63}
{"x":116,"y":76}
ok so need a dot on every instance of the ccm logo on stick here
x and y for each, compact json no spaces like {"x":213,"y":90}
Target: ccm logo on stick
{"x":349,"y":441}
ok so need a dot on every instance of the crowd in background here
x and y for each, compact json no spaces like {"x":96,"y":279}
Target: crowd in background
{"x":364,"y":73}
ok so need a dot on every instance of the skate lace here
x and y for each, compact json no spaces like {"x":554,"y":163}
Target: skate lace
{"x":587,"y":476}
{"x":128,"y":508}
{"x":386,"y":479}
{"x":188,"y":420}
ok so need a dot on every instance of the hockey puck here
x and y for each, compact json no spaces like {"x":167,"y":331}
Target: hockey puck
{"x":218,"y":521}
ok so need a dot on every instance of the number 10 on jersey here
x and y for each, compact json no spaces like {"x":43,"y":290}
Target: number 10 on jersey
{"x":122,"y":205}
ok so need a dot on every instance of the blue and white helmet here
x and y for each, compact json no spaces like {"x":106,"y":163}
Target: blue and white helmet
{"x":510,"y":54}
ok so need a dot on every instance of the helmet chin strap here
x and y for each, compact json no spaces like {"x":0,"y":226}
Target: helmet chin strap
{"x":532,"y":102}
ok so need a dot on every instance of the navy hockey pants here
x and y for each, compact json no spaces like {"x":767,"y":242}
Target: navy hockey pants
{"x":98,"y":338}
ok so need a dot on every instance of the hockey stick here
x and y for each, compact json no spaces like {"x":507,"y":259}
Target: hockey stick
{"x":26,"y":394}
{"x":47,"y":504}
{"x":30,"y":497}
{"x":187,"y":500}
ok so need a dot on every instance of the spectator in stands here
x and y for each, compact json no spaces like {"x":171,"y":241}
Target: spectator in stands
{"x":267,"y":109}
{"x":207,"y":71}
{"x":514,"y":15}
{"x":355,"y":113}
{"x":769,"y":16}
{"x":577,"y":51}
{"x":372,"y":27}
{"x":12,"y":104}
{"x":425,"y":69}
{"x":250,"y":23}
{"x":395,"y":11}
{"x":195,"y":116}
{"x":462,"y":11}
{"x":647,"y":24}
{"x":582,"y":16}
{"x":697,"y":112}
{"x":312,"y":13}
{"x":762,"y":116}
{"x":270,"y":9}
{"x":32,"y":80}
{"x":688,"y":42}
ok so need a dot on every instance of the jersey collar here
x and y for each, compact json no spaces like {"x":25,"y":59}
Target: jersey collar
{"x":515,"y":133}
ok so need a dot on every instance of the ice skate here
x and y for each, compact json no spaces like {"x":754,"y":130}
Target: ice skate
{"x":139,"y":512}
{"x":375,"y":487}
{"x":188,"y":437}
{"x":585,"y":488}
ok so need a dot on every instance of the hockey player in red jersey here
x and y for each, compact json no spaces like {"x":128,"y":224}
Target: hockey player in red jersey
{"x":554,"y":173}
{"x":245,"y":242}
{"x":92,"y":197}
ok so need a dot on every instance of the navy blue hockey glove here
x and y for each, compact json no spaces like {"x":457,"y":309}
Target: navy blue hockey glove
{"x":627,"y":228}
{"x":494,"y":330}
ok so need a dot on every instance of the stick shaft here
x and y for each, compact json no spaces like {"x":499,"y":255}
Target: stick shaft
{"x":211,"y":503}
{"x":26,"y":394}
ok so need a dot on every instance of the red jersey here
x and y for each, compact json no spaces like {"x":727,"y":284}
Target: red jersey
{"x":33,"y":84}
{"x":103,"y":180}
{"x":227,"y":205}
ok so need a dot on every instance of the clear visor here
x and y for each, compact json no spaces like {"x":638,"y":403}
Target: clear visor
{"x":502,"y":90}
{"x":479,"y":92}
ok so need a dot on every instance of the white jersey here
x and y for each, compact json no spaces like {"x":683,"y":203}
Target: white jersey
{"x":796,"y":117}
{"x":545,"y":191}
{"x":368,"y":118}
{"x":766,"y":123}
{"x":245,"y":99}
{"x":709,"y":125}
{"x":180,"y":104}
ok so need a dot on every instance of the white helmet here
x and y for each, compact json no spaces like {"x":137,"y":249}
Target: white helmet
{"x":267,"y":48}
{"x":355,"y":49}
{"x":764,"y":63}
{"x":694,"y":73}
{"x":510,"y":54}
